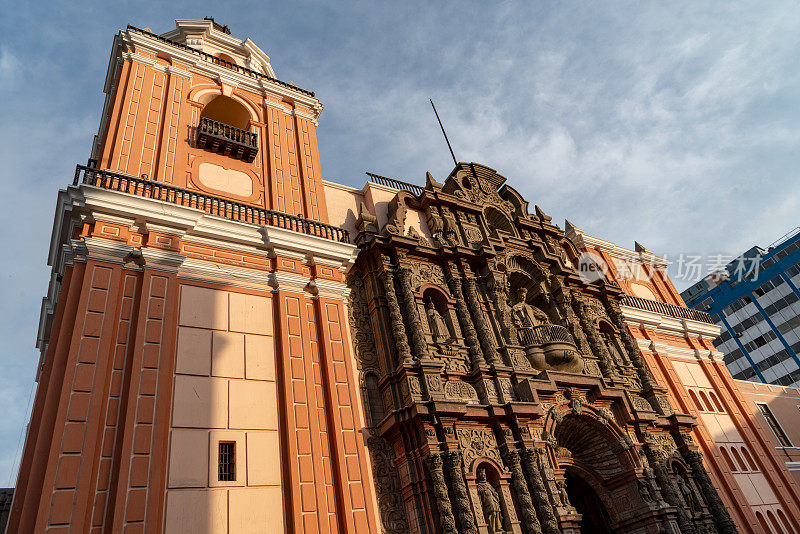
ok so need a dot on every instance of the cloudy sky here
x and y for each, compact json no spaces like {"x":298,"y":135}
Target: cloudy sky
{"x":672,"y":123}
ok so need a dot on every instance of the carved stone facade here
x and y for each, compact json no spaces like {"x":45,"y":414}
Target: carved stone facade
{"x":510,"y":394}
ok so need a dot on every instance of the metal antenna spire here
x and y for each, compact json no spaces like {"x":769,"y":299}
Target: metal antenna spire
{"x":455,"y":162}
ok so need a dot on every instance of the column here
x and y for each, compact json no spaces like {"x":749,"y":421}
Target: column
{"x":542,"y":503}
{"x":531,"y":522}
{"x":463,"y":508}
{"x":446,"y":519}
{"x":657,"y":461}
{"x":395,"y":317}
{"x":470,"y":335}
{"x":721,"y":517}
{"x":630,"y":345}
{"x":418,"y":342}
{"x":484,"y":332}
{"x":605,"y":361}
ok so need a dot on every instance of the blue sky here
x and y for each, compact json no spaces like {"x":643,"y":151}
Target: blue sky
{"x":672,"y":123}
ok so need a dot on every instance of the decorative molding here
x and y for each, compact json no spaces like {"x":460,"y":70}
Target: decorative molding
{"x":259,"y":86}
{"x":664,"y":324}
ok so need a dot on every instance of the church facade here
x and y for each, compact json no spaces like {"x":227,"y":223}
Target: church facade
{"x":232,"y":344}
{"x":503,"y":392}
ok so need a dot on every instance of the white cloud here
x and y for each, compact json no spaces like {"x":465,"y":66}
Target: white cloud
{"x":9,"y":68}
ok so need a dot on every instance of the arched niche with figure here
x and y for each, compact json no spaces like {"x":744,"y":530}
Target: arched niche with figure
{"x":611,"y":337}
{"x":438,"y":312}
{"x":493,"y":500}
{"x":686,"y":489}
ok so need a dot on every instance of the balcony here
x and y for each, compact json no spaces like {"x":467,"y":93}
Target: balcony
{"x":228,"y":140}
{"x":670,"y":310}
{"x":550,"y":346}
{"x":220,"y":207}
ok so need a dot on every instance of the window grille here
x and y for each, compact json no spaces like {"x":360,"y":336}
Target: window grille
{"x":227,"y":461}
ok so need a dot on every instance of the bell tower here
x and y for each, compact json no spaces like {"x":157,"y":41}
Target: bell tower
{"x":196,"y":372}
{"x":202,"y":110}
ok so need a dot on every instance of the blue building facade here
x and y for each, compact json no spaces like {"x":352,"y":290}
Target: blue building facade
{"x":756,"y":301}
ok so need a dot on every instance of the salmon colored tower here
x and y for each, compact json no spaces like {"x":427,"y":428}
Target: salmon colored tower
{"x":196,"y":371}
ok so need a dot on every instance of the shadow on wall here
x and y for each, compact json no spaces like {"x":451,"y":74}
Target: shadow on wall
{"x":224,"y":470}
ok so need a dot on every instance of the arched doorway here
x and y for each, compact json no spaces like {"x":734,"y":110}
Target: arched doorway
{"x":595,"y":518}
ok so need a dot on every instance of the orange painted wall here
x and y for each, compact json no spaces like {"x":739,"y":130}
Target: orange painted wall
{"x":97,"y":456}
{"x":781,"y":483}
{"x":151,"y":128}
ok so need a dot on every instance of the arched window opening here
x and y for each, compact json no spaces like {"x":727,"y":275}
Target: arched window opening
{"x":728,"y":460}
{"x":749,"y":459}
{"x":642,"y":291}
{"x":738,"y":458}
{"x":226,"y":58}
{"x":717,"y":404}
{"x":695,"y":400}
{"x":228,"y":111}
{"x":784,"y":521}
{"x":498,"y":221}
{"x":223,"y":128}
{"x":375,"y":406}
{"x":762,"y":522}
{"x":706,"y":402}
{"x":774,"y":522}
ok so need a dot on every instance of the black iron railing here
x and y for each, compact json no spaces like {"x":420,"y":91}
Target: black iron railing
{"x":229,"y":209}
{"x":217,"y":61}
{"x":670,"y":310}
{"x":395,"y":184}
{"x":545,"y":333}
{"x":226,"y":139}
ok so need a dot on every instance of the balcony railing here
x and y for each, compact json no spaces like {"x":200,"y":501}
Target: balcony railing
{"x":545,"y":333}
{"x":395,"y":184}
{"x":225,"y":139}
{"x":671,"y":310}
{"x":217,"y":61}
{"x":229,"y":209}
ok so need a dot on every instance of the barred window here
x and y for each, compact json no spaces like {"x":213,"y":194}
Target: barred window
{"x":227,"y":461}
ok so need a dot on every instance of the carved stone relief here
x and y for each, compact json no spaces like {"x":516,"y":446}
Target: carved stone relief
{"x":460,"y":391}
{"x":387,"y":486}
{"x":477,"y":443}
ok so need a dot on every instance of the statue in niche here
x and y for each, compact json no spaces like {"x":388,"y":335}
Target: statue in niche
{"x":523,"y":315}
{"x":688,"y":495}
{"x":439,"y":330}
{"x":562,"y":492}
{"x":644,"y":491}
{"x":612,"y":345}
{"x":490,"y":502}
{"x":519,"y":312}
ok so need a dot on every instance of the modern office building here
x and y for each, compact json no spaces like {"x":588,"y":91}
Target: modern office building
{"x":756,"y":301}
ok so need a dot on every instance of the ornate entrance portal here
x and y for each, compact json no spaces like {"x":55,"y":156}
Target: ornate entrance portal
{"x":504,"y":393}
{"x":594,"y":517}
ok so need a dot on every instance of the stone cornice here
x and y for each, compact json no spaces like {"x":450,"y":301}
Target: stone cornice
{"x":665,"y":324}
{"x":682,"y":353}
{"x":583,"y":241}
{"x":260,"y":86}
{"x":197,"y":223}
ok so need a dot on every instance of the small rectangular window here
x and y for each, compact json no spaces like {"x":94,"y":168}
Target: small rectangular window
{"x":773,"y":424}
{"x":227,"y":461}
